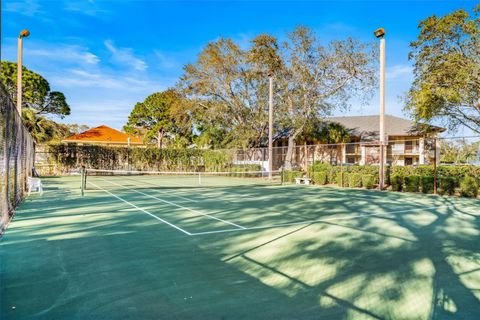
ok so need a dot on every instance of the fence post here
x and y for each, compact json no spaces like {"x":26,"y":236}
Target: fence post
{"x":435,"y":166}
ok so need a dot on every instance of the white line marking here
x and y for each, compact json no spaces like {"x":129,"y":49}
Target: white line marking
{"x":177,"y":205}
{"x":143,"y":210}
{"x":313,"y":221}
{"x":159,"y":191}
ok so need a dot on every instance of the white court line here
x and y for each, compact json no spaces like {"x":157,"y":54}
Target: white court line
{"x":143,"y":210}
{"x":159,"y":191}
{"x":177,"y":205}
{"x":313,"y":221}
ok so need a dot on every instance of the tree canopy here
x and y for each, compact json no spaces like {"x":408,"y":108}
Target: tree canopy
{"x":161,"y":116}
{"x":230,"y":85}
{"x":36,"y":91}
{"x":447,"y":70}
{"x":229,"y":91}
{"x":44,"y":130}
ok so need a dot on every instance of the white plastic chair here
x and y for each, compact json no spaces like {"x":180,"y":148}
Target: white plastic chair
{"x":34,"y":184}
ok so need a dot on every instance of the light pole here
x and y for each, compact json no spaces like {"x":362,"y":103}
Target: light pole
{"x":380,"y":34}
{"x":270,"y":125}
{"x":23,"y":34}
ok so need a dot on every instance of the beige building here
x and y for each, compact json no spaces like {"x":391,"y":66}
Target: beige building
{"x":407,"y":144}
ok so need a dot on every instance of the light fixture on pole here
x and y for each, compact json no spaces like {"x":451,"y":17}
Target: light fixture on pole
{"x":23,"y":34}
{"x":270,"y":125}
{"x":380,"y":34}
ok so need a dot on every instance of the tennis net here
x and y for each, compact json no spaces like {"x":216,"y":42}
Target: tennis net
{"x":95,"y":178}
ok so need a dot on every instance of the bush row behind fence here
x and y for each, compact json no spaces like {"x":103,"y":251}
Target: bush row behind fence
{"x":462,"y":180}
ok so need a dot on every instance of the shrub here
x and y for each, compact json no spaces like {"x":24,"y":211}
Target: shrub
{"x":339,"y":177}
{"x":355,"y":180}
{"x":397,"y":182}
{"x":368,"y":181}
{"x":469,"y":187}
{"x":446,"y":185}
{"x":320,"y":166}
{"x":320,"y":178}
{"x":427,"y":183}
{"x":412,"y":183}
{"x":290,"y":175}
{"x":332,"y":176}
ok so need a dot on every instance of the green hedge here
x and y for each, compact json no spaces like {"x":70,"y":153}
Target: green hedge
{"x":368,"y":181}
{"x":446,"y":185}
{"x":426,"y":183}
{"x":342,"y":176}
{"x":355,"y":180}
{"x":469,"y":187}
{"x":319,"y":178}
{"x":397,"y":182}
{"x":71,"y":157}
{"x":290,"y":175}
{"x":400,"y":178}
{"x":412,"y":183}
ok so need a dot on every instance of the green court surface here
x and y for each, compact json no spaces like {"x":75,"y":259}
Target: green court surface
{"x":149,"y":248}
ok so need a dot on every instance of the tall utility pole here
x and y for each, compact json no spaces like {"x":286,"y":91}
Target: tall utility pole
{"x":270,"y":125}
{"x":23,"y":34}
{"x":380,"y":34}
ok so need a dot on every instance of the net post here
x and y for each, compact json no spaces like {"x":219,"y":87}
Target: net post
{"x":83,"y":182}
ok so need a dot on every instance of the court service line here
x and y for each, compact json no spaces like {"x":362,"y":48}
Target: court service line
{"x":159,"y":191}
{"x":141,"y":209}
{"x":177,"y":205}
{"x":314,"y":221}
{"x":211,"y":197}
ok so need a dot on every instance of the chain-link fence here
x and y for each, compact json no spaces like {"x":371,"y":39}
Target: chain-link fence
{"x":16,"y":157}
{"x":407,"y":159}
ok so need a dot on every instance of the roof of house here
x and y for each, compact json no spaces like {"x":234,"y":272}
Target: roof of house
{"x":105,"y":135}
{"x":367,"y":127}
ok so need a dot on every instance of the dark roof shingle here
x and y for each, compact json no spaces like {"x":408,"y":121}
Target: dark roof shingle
{"x":367,"y":127}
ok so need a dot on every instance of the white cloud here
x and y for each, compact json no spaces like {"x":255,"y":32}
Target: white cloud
{"x":125,"y":56}
{"x":164,"y":61}
{"x":90,"y":7}
{"x":102,"y":79}
{"x":27,"y":8}
{"x":66,"y":53}
{"x":399,"y":71}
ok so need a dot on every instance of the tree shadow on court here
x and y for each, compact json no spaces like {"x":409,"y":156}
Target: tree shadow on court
{"x":66,"y":257}
{"x":438,"y":242}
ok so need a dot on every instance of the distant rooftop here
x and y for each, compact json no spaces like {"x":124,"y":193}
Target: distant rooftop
{"x":103,"y":135}
{"x":367,"y":127}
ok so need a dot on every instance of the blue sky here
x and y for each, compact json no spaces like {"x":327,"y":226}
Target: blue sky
{"x":107,"y":55}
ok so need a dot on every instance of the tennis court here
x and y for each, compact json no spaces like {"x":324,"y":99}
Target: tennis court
{"x":222,"y":247}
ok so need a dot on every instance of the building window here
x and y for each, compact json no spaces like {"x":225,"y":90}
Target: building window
{"x":350,"y":149}
{"x":408,"y":147}
{"x":351,"y":160}
{"x":408,"y":161}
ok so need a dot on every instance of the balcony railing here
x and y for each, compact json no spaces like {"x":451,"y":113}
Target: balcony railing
{"x":402,"y":150}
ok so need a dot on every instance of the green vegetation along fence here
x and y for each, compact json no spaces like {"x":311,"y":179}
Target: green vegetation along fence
{"x":64,"y":159}
{"x":17,"y":151}
{"x":410,"y":163}
{"x":461,"y":180}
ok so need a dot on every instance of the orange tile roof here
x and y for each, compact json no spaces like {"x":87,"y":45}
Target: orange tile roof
{"x":103,"y":135}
